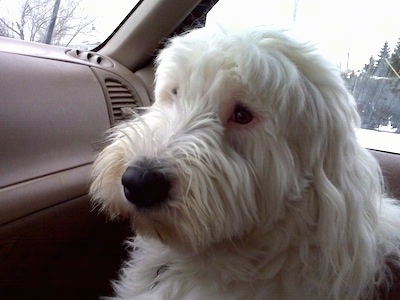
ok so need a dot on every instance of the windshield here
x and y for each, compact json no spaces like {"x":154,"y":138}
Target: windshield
{"x":82,"y":24}
{"x":348,"y":32}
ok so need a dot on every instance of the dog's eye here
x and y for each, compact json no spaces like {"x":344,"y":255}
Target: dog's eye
{"x":175,"y":91}
{"x":241,"y":115}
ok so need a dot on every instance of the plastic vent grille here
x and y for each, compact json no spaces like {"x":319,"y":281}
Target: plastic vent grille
{"x":122,"y":99}
{"x":91,"y":57}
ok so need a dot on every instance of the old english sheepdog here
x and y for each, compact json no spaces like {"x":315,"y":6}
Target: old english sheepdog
{"x":245,"y":180}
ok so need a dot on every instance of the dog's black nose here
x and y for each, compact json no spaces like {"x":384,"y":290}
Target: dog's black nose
{"x":146,"y":184}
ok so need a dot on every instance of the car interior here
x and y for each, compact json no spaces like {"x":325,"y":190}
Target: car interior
{"x":56,"y":103}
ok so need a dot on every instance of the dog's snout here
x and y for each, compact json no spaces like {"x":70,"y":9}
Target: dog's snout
{"x":146,"y":184}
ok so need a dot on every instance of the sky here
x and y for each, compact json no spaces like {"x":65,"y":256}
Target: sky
{"x":107,"y":14}
{"x":347,"y":32}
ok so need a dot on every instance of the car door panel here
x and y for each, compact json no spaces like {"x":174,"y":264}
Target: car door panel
{"x":390,"y":165}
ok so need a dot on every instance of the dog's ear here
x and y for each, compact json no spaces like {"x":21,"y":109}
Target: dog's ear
{"x":345,"y":181}
{"x":329,"y":183}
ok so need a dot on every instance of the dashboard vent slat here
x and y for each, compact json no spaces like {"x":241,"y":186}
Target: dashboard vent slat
{"x":122,"y":100}
{"x":90,"y":57}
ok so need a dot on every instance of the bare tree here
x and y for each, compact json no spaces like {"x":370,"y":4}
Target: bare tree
{"x":34,"y":17}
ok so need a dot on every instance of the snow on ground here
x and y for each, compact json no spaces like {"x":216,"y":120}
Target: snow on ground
{"x":379,"y":140}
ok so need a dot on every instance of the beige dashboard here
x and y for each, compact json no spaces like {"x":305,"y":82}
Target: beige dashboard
{"x":56,"y":104}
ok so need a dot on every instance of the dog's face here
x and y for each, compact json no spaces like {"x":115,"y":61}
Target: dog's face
{"x":240,"y":124}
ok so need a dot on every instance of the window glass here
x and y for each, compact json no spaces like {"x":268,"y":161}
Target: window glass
{"x":361,"y":37}
{"x":82,"y":24}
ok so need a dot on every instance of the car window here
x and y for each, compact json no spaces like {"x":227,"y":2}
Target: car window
{"x":361,"y":37}
{"x":82,"y":24}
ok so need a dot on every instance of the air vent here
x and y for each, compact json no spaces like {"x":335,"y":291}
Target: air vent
{"x":122,"y":100}
{"x":90,"y":57}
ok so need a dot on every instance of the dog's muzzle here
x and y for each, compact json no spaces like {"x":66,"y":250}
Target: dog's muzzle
{"x":146,"y":184}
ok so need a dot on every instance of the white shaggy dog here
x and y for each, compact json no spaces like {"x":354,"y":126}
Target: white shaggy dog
{"x":245,"y":180}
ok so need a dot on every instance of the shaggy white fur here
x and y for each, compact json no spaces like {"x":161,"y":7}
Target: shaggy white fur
{"x":265,"y":192}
